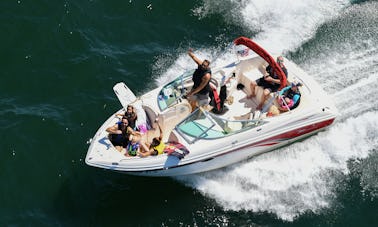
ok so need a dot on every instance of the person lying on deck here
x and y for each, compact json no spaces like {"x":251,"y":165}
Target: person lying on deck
{"x":156,"y":147}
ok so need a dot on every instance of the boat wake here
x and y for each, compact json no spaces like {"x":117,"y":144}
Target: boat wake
{"x":294,"y":179}
{"x":302,"y":177}
{"x":280,"y":24}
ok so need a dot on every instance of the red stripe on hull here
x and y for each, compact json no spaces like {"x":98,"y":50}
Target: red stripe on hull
{"x":286,"y":136}
{"x":296,"y":132}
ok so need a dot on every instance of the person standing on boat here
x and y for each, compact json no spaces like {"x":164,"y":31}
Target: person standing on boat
{"x":269,"y":82}
{"x":199,"y":95}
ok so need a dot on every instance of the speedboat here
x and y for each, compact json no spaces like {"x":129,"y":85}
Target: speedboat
{"x":200,"y":140}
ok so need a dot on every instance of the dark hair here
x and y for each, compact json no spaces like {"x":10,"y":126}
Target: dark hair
{"x":154,"y":152}
{"x":296,"y":84}
{"x":155,"y":142}
{"x":240,"y":86}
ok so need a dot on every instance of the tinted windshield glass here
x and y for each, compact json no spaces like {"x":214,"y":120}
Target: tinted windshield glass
{"x":173,"y":91}
{"x":205,"y":125}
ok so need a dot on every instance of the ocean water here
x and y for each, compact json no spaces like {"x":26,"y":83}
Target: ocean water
{"x":60,"y":60}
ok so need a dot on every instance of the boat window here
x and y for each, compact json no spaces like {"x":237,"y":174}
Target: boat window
{"x":172,"y":92}
{"x":204,"y":125}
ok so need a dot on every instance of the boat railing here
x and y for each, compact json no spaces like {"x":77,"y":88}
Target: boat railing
{"x":234,"y":126}
{"x":195,"y":126}
{"x":173,"y":92}
{"x":202,"y":124}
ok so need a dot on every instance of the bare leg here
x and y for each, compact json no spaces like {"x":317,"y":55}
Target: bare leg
{"x":144,"y":147}
{"x":252,"y":85}
{"x":193,"y":104}
{"x":119,"y":148}
{"x":263,"y":98}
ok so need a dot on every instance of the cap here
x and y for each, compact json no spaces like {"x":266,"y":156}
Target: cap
{"x":280,"y":59}
{"x":296,"y":84}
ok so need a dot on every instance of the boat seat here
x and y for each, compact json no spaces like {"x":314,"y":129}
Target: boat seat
{"x":169,"y":119}
{"x":232,"y":126}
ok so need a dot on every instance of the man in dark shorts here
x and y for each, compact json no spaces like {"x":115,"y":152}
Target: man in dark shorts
{"x":199,"y":95}
{"x":269,"y":82}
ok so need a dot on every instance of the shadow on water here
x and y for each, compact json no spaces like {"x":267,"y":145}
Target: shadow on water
{"x":102,"y":198}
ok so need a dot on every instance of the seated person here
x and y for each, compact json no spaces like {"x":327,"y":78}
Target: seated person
{"x":289,"y":97}
{"x":156,"y":147}
{"x":133,"y":146}
{"x":119,"y":133}
{"x":130,"y":115}
{"x":269,"y":82}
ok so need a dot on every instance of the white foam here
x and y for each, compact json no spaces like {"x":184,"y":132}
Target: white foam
{"x":296,"y":179}
{"x":350,"y":74}
{"x":183,"y":63}
{"x":281,"y":24}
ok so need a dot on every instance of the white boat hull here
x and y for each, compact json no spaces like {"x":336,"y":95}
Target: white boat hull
{"x":218,"y":146}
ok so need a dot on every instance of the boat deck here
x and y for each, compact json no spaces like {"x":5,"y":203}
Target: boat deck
{"x":240,"y":107}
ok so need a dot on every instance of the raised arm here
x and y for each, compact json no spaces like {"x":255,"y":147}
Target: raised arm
{"x":114,"y":130}
{"x":194,"y":57}
{"x":161,"y":132}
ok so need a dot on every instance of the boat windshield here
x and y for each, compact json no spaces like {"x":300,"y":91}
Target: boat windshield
{"x":205,"y":125}
{"x":172,"y":92}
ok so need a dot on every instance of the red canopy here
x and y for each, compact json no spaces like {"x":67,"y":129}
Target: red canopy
{"x":266,"y":56}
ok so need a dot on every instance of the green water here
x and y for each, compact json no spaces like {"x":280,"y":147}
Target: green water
{"x":59,"y":62}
